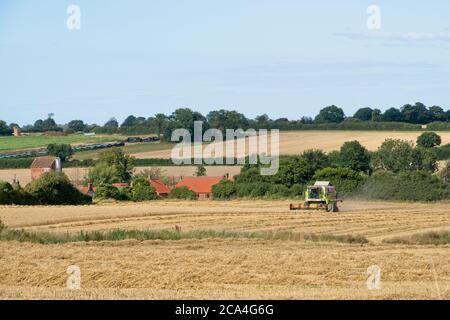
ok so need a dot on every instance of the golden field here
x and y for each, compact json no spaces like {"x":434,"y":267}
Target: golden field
{"x":295,"y":142}
{"x":219,"y":268}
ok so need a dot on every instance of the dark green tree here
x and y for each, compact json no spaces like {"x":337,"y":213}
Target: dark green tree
{"x":331,"y":114}
{"x":62,"y":151}
{"x":364,"y":114}
{"x":429,"y":140}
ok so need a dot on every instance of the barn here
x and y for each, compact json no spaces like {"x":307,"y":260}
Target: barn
{"x":161,"y":189}
{"x":202,"y":186}
{"x":42,"y":165}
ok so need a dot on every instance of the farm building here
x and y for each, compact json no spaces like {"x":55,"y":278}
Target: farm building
{"x":89,"y":190}
{"x":45,"y":164}
{"x":17,"y":132}
{"x":202,"y":186}
{"x":161,"y":189}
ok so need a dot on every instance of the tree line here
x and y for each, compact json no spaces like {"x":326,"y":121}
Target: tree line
{"x":331,"y":117}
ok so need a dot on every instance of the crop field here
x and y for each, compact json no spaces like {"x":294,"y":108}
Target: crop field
{"x":295,"y":142}
{"x":29,"y":142}
{"x":217,"y":267}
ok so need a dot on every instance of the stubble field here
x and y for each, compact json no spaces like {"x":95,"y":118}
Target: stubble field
{"x":235,"y":268}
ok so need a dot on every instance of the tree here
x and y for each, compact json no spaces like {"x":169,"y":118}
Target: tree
{"x":392,"y":115}
{"x":417,"y":113}
{"x":107,"y":191}
{"x":300,"y":169}
{"x":364,"y":114}
{"x":160,"y":123}
{"x":345,"y":179}
{"x":62,"y":151}
{"x":398,"y":155}
{"x":5,"y":130}
{"x":438,"y":114}
{"x":76,"y":125}
{"x":112,"y":166}
{"x":182,"y":193}
{"x":224,"y":119}
{"x":103,"y":174}
{"x":331,"y":114}
{"x":112,"y":123}
{"x":49,"y":124}
{"x":429,"y":140}
{"x":142,"y":190}
{"x":129,"y":121}
{"x":225,"y":189}
{"x":354,"y":156}
{"x":201,"y":171}
{"x":55,"y":188}
{"x":376,"y":115}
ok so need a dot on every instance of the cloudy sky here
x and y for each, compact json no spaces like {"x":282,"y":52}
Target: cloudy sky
{"x":285,"y":58}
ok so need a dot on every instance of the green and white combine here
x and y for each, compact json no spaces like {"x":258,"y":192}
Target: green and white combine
{"x":321,"y":196}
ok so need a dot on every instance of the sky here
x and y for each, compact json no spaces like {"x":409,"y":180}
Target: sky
{"x":285,"y":58}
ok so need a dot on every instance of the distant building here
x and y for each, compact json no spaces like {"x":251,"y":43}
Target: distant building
{"x":17,"y":132}
{"x":161,"y":189}
{"x":42,"y":165}
{"x":89,"y":190}
{"x":202,"y":186}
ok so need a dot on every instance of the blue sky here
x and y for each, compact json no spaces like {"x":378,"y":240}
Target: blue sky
{"x":284,"y":58}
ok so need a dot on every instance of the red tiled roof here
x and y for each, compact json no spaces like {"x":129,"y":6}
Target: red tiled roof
{"x":159,"y":186}
{"x":199,"y":184}
{"x":43,"y":162}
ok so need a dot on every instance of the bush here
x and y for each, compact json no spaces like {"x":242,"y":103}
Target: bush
{"x":279,"y":191}
{"x":345,"y":180}
{"x":225,"y":189}
{"x":260,"y":190}
{"x":107,"y":191}
{"x":297,"y":190}
{"x":413,"y":186}
{"x":5,"y":193}
{"x":55,"y":188}
{"x":429,"y":140}
{"x":142,"y":190}
{"x":354,"y":156}
{"x":182,"y":193}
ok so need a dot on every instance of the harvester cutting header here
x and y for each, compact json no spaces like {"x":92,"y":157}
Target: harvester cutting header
{"x":321,"y":196}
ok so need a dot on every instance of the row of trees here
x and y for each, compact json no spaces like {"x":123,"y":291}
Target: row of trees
{"x":397,"y":170}
{"x":163,"y":125}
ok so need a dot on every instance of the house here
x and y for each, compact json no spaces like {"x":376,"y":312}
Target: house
{"x":202,"y":186}
{"x":161,"y":189}
{"x":42,"y":165}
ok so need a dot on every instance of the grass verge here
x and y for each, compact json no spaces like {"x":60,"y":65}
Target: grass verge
{"x":436,"y":238}
{"x":119,"y":234}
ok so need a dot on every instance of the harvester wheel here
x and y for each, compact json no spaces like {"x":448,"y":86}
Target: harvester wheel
{"x":332,"y":207}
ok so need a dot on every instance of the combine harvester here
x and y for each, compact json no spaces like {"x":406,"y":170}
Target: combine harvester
{"x":321,"y":196}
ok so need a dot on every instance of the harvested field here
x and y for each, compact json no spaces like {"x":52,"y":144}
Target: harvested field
{"x":233,"y":268}
{"x":295,"y":142}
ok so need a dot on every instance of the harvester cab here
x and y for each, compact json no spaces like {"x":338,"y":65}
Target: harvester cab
{"x":321,"y":196}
